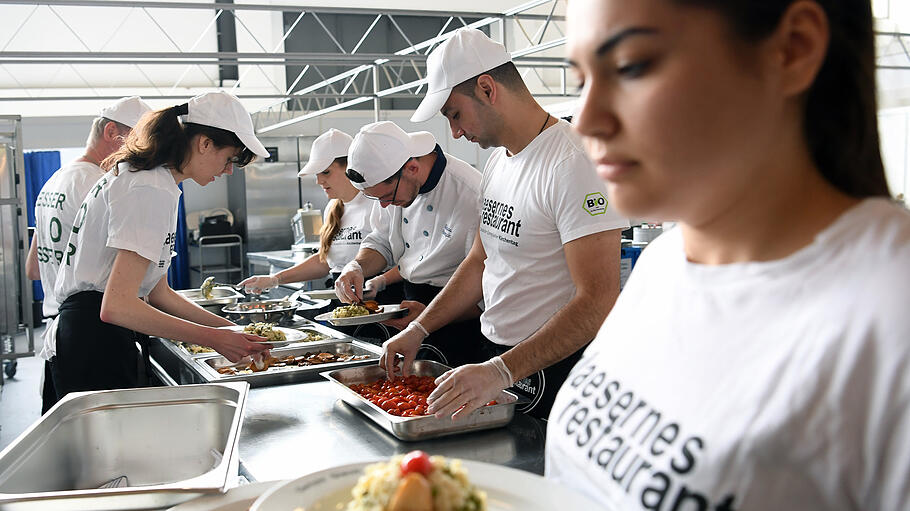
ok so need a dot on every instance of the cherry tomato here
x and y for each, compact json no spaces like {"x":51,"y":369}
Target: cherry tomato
{"x":416,"y":461}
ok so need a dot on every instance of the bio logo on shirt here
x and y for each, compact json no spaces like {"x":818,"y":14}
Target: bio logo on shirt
{"x":595,"y":204}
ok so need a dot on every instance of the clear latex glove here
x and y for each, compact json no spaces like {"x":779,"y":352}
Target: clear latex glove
{"x":404,"y":343}
{"x":258,"y":284}
{"x":373,"y":286}
{"x":236,"y":345}
{"x":462,"y":390}
{"x":349,"y":285}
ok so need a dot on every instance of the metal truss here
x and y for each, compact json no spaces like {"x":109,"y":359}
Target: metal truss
{"x":292,"y":86}
{"x":893,"y":50}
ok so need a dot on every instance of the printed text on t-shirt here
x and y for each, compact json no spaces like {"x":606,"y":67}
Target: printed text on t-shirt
{"x":632,"y":443}
{"x":499,"y":215}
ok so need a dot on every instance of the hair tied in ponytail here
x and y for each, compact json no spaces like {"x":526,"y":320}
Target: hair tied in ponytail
{"x":183,"y":109}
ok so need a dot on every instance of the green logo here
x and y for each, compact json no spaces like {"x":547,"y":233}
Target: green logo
{"x":595,"y":204}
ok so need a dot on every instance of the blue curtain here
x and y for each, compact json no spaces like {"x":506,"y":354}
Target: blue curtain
{"x":178,"y":275}
{"x":39,"y":167}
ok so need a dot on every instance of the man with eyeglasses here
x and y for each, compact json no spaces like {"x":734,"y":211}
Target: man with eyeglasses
{"x":56,"y":207}
{"x":429,"y":202}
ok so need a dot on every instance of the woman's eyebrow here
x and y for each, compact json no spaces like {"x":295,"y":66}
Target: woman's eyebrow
{"x":611,"y":42}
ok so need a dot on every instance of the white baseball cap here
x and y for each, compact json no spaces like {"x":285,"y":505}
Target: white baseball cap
{"x":330,"y":145}
{"x":465,"y":55}
{"x":126,"y":111}
{"x":223,"y":110}
{"x":381,"y":148}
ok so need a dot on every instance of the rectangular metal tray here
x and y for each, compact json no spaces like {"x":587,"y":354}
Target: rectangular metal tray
{"x":208,"y":366}
{"x":419,"y":428}
{"x":172,"y":443}
{"x":330,"y":333}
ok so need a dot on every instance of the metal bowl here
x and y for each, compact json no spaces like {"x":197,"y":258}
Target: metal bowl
{"x":221,"y":297}
{"x":264,"y":311}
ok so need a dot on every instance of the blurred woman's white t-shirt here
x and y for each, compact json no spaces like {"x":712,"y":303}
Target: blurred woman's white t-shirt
{"x":781,"y":385}
{"x":356,"y":223}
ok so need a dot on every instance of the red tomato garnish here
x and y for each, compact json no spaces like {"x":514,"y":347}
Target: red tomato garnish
{"x":416,"y":461}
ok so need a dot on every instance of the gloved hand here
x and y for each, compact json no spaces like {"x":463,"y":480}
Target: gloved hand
{"x":349,"y":285}
{"x":257,"y":284}
{"x":373,"y":286}
{"x":462,"y":390}
{"x":405,"y":343}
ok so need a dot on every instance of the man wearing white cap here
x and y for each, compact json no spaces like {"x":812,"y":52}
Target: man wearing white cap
{"x":347,"y":221}
{"x":546,"y":264}
{"x":56,"y":207}
{"x":428,"y":230}
{"x":112,"y":281}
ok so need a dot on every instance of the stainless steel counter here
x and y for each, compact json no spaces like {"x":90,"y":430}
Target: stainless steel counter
{"x":291,"y":430}
{"x":279,"y":258}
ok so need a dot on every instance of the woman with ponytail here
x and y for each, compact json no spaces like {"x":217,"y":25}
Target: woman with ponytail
{"x":347,"y":221}
{"x":112,"y":282}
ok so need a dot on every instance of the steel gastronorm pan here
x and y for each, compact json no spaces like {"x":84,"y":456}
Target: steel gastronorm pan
{"x":208,"y":366}
{"x":172,"y":443}
{"x":428,"y":426}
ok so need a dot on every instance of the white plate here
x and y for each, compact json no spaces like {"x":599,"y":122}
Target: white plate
{"x":291,"y":334}
{"x":507,"y":489}
{"x":235,"y":499}
{"x":388,"y":312}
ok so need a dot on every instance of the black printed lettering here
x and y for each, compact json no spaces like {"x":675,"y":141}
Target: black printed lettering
{"x":686,"y":466}
{"x":575,"y":420}
{"x":607,"y":395}
{"x":621,"y":404}
{"x":699,"y":502}
{"x":593,"y":384}
{"x":666,"y":436}
{"x":653,"y":496}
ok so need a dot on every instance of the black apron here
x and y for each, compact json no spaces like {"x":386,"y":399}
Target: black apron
{"x":94,"y":355}
{"x":455,"y":344}
{"x":541,"y":387}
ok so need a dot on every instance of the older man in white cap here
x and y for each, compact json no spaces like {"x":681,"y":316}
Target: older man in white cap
{"x":427,"y":231}
{"x":546,"y":264}
{"x":57,"y":204}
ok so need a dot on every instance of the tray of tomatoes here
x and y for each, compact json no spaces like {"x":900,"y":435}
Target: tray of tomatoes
{"x":399,"y":406}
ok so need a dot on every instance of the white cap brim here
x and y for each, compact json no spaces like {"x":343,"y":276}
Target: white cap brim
{"x":315,"y":166}
{"x":431,"y":104}
{"x":253,"y":144}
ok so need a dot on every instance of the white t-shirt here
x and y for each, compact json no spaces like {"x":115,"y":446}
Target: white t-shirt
{"x":535,"y":202}
{"x":134,"y":211}
{"x":432,"y":236}
{"x":55,"y":209}
{"x":781,"y":385}
{"x":356,"y":224}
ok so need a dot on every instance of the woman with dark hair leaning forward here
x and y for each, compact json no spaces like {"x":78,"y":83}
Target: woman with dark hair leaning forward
{"x":758,"y":356}
{"x":112,"y":283}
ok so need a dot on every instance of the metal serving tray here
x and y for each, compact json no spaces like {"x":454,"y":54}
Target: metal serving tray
{"x":172,"y":444}
{"x":221,"y":296}
{"x":428,"y":426}
{"x":208,"y":366}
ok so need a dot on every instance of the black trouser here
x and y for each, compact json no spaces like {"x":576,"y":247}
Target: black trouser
{"x":542,"y":386}
{"x":48,"y":392}
{"x":92,"y":354}
{"x":455,"y":344}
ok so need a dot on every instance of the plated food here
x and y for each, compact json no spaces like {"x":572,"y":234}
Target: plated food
{"x":416,"y":482}
{"x":361,"y":314}
{"x":305,"y":359}
{"x":195,"y":349}
{"x":266,"y":330}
